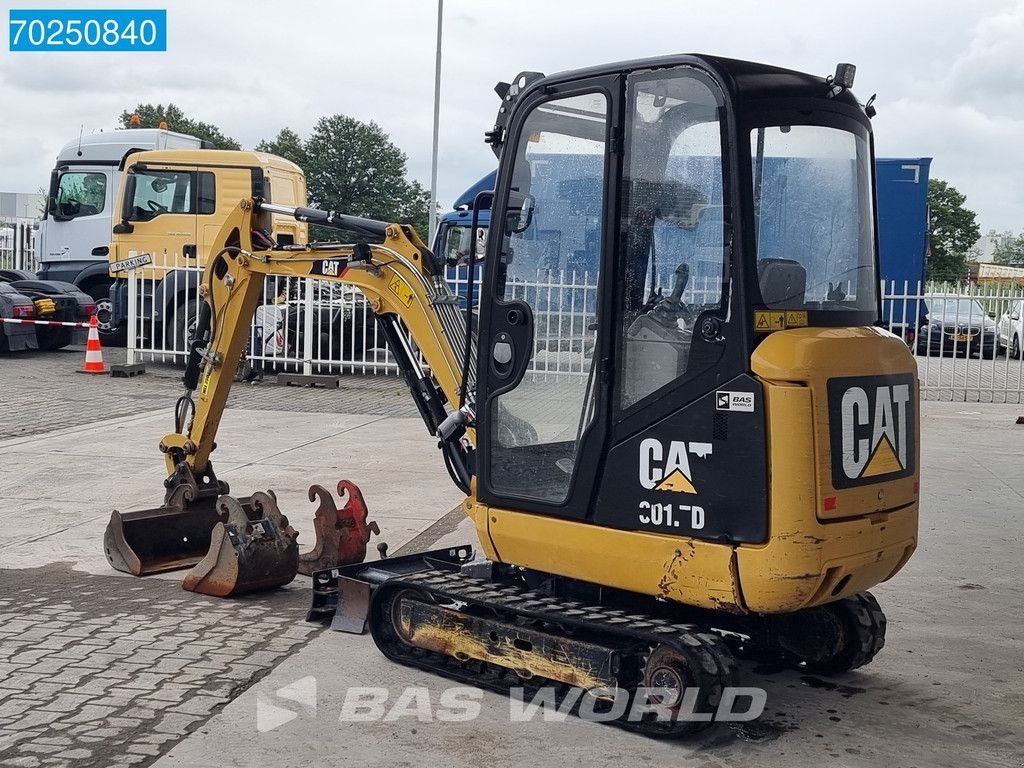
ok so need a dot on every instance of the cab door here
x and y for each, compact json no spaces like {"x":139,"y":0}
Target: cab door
{"x":542,"y":386}
{"x":161,"y":206}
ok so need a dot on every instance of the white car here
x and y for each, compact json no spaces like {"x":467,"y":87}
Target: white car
{"x":1010,"y":328}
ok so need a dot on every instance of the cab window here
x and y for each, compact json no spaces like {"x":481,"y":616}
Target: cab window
{"x":675,"y":233}
{"x":80,"y":194}
{"x":159,"y":191}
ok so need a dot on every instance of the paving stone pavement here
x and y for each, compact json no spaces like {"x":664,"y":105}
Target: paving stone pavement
{"x":41,"y":393}
{"x":106,"y":670}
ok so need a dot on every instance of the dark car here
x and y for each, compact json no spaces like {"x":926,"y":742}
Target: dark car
{"x":956,"y":325}
{"x":52,"y":300}
{"x":15,"y":337}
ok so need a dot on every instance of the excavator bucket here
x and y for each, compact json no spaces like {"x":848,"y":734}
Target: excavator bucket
{"x":233,"y":546}
{"x":252,"y":548}
{"x":173,"y":536}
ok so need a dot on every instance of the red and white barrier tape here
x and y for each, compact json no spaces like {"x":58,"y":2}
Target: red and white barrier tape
{"x":19,"y":321}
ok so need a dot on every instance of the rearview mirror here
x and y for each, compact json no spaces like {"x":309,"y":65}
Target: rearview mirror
{"x":519,"y":214}
{"x":125,"y":227}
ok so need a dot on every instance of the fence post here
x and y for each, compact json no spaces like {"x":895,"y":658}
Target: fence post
{"x":133,"y":317}
{"x":307,"y":330}
{"x":19,"y":246}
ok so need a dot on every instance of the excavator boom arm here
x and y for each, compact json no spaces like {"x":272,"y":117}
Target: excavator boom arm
{"x":399,"y":278}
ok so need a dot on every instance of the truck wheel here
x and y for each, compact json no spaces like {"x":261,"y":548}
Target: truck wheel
{"x":181,"y":326}
{"x":109,"y":335}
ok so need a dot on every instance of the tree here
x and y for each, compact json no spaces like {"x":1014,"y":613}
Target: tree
{"x":1007,"y":248}
{"x":954,"y":231}
{"x":354,"y":167}
{"x":152,"y":115}
{"x":286,"y":144}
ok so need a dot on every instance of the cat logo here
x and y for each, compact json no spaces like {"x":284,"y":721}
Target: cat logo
{"x":329,"y":267}
{"x":873,"y":428}
{"x":668,"y":469}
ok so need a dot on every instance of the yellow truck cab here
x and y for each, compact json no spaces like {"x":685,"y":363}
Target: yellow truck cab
{"x":170,"y":206}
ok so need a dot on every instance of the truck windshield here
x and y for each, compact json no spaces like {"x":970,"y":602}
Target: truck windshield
{"x":454,"y":241}
{"x":814,"y":221}
{"x":158,"y":192}
{"x":79,"y":194}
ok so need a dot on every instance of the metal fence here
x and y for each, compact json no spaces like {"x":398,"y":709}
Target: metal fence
{"x":302,"y":325}
{"x":17,"y":244}
{"x":967,"y":338}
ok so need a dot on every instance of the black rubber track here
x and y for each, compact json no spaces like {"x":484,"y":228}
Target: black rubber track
{"x":864,"y":633}
{"x":711,"y":665}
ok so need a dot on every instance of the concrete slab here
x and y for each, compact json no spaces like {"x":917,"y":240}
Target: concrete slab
{"x":58,"y":490}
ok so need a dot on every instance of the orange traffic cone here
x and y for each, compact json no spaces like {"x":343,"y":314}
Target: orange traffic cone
{"x":93,"y":351}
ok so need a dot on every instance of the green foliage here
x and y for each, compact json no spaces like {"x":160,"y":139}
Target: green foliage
{"x":354,"y":168}
{"x":350,"y":166}
{"x":954,"y":231}
{"x":153,"y":114}
{"x":1008,"y":249}
{"x":286,"y":144}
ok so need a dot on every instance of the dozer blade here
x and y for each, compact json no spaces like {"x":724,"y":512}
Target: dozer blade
{"x":341,"y":534}
{"x":176,"y":535}
{"x":252,"y":548}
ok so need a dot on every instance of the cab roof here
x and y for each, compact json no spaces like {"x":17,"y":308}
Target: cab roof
{"x":109,"y":147}
{"x":215,"y":157}
{"x":745,"y":79}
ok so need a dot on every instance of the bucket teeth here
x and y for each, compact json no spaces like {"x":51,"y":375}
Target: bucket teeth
{"x":252,"y":548}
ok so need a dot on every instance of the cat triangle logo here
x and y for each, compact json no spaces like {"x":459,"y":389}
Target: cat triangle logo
{"x":883,"y":461}
{"x":677,"y":482}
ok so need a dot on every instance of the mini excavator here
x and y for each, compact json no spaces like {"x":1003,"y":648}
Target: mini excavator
{"x":715,"y":453}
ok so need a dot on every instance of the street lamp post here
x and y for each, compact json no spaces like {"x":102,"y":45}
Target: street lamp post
{"x":432,"y":213}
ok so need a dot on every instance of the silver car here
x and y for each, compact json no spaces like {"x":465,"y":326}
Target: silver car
{"x":1010,"y":328}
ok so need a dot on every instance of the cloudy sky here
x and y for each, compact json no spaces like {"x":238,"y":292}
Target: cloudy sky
{"x":949,"y":75}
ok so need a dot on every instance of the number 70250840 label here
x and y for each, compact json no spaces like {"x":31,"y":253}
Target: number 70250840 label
{"x":75,"y":29}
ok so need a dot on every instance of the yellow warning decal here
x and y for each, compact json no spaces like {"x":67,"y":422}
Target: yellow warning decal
{"x":766,"y":321}
{"x":401,"y":290}
{"x":206,"y":381}
{"x":883,"y":461}
{"x":676,"y":482}
{"x":796,"y":318}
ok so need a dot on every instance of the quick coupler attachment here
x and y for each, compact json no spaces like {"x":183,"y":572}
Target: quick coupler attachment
{"x":341,"y":534}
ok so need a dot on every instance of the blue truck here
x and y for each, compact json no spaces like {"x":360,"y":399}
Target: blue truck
{"x":901,"y":186}
{"x":902,"y":209}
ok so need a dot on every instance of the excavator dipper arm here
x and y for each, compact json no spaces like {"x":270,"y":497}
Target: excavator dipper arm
{"x":404,"y":287}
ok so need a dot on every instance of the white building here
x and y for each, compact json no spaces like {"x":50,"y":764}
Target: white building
{"x":984,"y":249}
{"x":22,"y":206}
